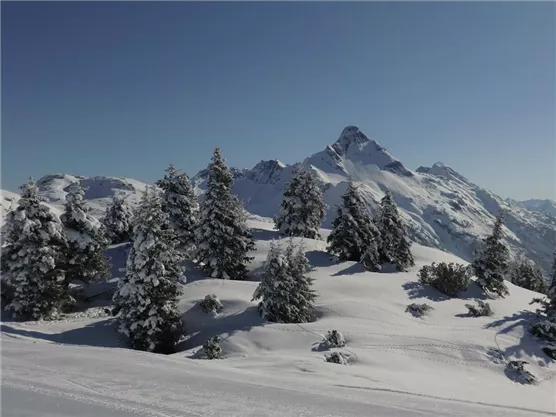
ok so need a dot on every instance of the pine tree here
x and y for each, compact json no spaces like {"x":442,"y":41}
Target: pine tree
{"x":354,"y":232}
{"x":527,"y":274}
{"x":285,"y":290}
{"x":303,"y":209}
{"x":552,"y":279}
{"x":223,"y":238}
{"x":180,"y":203}
{"x":147,"y":296}
{"x":86,"y":240}
{"x":491,"y":261}
{"x":395,"y":247}
{"x":117,"y":221}
{"x":32,"y":260}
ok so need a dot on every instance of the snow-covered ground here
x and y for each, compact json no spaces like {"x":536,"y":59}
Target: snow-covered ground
{"x":446,"y":364}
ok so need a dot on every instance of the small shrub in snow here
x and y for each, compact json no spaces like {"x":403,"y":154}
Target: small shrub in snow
{"x":211,"y":304}
{"x":517,"y":371}
{"x":481,"y":309}
{"x":337,"y":357}
{"x":450,"y":279}
{"x":419,"y":310}
{"x":212,"y":348}
{"x":334,"y":339}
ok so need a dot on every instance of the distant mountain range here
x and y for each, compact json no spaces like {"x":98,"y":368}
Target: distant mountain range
{"x":441,"y":207}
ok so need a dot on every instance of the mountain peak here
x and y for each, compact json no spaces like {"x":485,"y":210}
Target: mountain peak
{"x":350,"y":136}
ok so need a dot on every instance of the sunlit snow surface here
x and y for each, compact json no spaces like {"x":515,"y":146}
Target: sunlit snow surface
{"x":446,"y":364}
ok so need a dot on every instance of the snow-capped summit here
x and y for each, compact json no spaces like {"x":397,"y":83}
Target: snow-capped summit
{"x":266,"y":172}
{"x":354,"y":147}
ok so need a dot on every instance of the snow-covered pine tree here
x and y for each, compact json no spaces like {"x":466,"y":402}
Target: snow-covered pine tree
{"x":147,"y":296}
{"x":117,"y":221}
{"x":302,"y":209}
{"x":179,"y":201}
{"x":86,"y":240}
{"x":394,"y":247}
{"x":32,"y":258}
{"x":354,"y":232}
{"x":223,"y":238}
{"x":527,"y":274}
{"x":285,"y":290}
{"x":552,"y":279}
{"x":491,"y":261}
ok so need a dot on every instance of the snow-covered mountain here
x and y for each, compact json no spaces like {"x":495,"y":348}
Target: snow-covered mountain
{"x":544,"y":206}
{"x":442,"y":208}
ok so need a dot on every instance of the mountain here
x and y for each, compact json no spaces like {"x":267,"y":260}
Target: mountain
{"x":543,"y":206}
{"x":442,"y":208}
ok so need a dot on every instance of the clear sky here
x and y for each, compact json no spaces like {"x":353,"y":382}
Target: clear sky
{"x":125,"y":88}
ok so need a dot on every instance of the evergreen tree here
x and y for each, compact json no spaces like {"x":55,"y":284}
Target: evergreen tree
{"x":395,"y":247}
{"x":86,"y":240}
{"x":285,"y":290}
{"x":552,"y":279}
{"x":527,"y":274}
{"x":545,"y":327}
{"x":32,"y":258}
{"x":491,"y":261}
{"x":303,"y":209}
{"x":353,"y":231}
{"x":180,"y":203}
{"x":147,"y":296}
{"x":117,"y":221}
{"x":223,"y":238}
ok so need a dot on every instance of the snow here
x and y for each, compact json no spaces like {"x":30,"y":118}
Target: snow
{"x":445,"y":364}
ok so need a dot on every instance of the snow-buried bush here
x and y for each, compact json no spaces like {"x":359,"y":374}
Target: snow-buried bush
{"x":418,"y":310}
{"x":481,"y":309}
{"x":450,"y":279}
{"x":212,"y":348}
{"x":334,"y":339}
{"x":516,"y":371}
{"x":337,"y":357}
{"x":211,"y":304}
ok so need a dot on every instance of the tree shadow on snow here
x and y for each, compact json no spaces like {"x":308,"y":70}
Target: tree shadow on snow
{"x":100,"y":334}
{"x":415,"y":289}
{"x":201,"y":326}
{"x":319,"y":258}
{"x":117,"y":257}
{"x":526,"y":344}
{"x":356,"y":268}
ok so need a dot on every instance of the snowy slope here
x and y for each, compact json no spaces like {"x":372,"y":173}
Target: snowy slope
{"x":446,"y":364}
{"x":442,"y":208}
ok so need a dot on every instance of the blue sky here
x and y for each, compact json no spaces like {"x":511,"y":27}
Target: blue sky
{"x":125,"y":88}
